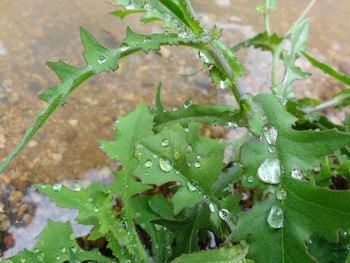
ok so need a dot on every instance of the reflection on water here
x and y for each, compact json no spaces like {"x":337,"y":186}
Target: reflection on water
{"x":32,"y":31}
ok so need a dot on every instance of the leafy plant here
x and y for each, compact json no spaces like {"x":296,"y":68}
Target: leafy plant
{"x":180,"y":194}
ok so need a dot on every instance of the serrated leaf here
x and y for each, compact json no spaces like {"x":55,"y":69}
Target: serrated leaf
{"x":295,"y":150}
{"x":263,"y":41}
{"x":328,"y":70}
{"x":302,"y":204}
{"x":56,"y":245}
{"x":96,"y":55}
{"x":123,"y":13}
{"x":206,"y":114}
{"x":95,"y":208}
{"x":299,"y":33}
{"x":234,"y":254}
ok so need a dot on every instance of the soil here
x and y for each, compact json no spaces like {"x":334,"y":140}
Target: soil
{"x":66,"y":149}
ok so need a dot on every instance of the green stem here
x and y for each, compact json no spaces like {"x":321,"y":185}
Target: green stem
{"x":274,"y":72}
{"x":219,"y":57}
{"x":306,"y":11}
{"x":267,"y":22}
{"x":328,"y":104}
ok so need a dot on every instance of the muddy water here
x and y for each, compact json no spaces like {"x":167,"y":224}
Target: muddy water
{"x":34,"y":31}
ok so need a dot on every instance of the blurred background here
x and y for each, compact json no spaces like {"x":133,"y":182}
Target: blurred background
{"x":66,"y":148}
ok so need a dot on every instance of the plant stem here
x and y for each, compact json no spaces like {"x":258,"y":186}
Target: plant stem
{"x":327,"y":104}
{"x":226,"y":67}
{"x":274,"y":72}
{"x":267,"y":22}
{"x":306,"y":10}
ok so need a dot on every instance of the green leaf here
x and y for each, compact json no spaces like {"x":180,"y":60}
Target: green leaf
{"x":292,"y":150}
{"x":95,"y":208}
{"x":55,"y":244}
{"x":328,"y":70}
{"x":264,"y":41}
{"x":234,"y":254}
{"x":206,"y":114}
{"x":123,"y":13}
{"x":302,"y":204}
{"x":299,"y":33}
{"x":325,"y":252}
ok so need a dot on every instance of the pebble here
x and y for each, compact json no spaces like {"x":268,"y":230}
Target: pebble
{"x":57,"y":157}
{"x":73,"y":122}
{"x":15,"y":197}
{"x":33,"y":144}
{"x":2,"y":141}
{"x":4,"y":222}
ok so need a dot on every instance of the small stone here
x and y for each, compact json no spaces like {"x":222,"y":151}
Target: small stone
{"x":32,"y":144}
{"x":57,"y":157}
{"x":73,"y":122}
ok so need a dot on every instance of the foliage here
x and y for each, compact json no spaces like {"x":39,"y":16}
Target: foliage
{"x":179,"y":193}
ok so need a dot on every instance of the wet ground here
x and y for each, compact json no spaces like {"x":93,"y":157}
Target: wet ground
{"x":34,"y":31}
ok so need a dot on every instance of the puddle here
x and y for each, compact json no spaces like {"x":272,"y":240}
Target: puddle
{"x":66,"y":149}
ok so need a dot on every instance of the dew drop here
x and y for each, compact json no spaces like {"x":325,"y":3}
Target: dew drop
{"x":224,"y":214}
{"x":76,"y":188}
{"x":155,"y":156}
{"x":297,"y":174}
{"x":204,"y":57}
{"x":71,"y":236}
{"x":270,"y":134}
{"x":197,"y":164}
{"x":123,"y":47}
{"x":271,"y":149}
{"x":275,"y":218}
{"x":148,"y":163}
{"x":36,"y":251}
{"x":212,"y":207}
{"x":192,"y":186}
{"x":188,"y":103}
{"x":270,"y":171}
{"x":281,"y":194}
{"x":63,"y":250}
{"x":23,"y":260}
{"x":250,"y":179}
{"x":232,"y":124}
{"x":96,"y":210}
{"x":57,"y":187}
{"x":101,"y":59}
{"x":165,"y":165}
{"x":165,"y":142}
{"x":58,"y":257}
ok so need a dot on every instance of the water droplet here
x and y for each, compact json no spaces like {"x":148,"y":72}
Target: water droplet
{"x":123,"y":47}
{"x":148,"y":163}
{"x":275,"y":218}
{"x":188,"y":103}
{"x":101,"y":147}
{"x":130,"y":7}
{"x":63,"y":250}
{"x":101,"y":59}
{"x":58,"y":257}
{"x":96,"y":210}
{"x":165,"y":165}
{"x":204,"y":57}
{"x":271,"y":149}
{"x":224,"y":214}
{"x":270,"y":134}
{"x":165,"y":142}
{"x":212,"y":207}
{"x":40,"y":258}
{"x":73,"y":249}
{"x":232,"y":124}
{"x":71,"y":236}
{"x":76,"y":188}
{"x":250,"y":179}
{"x":270,"y":171}
{"x":57,"y":187}
{"x":36,"y":250}
{"x":197,"y":164}
{"x":297,"y":174}
{"x":192,"y":186}
{"x":155,"y":156}
{"x":23,"y":260}
{"x":281,"y":194}
{"x":224,"y":84}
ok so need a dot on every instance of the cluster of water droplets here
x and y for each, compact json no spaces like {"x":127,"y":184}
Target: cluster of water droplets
{"x":101,"y":59}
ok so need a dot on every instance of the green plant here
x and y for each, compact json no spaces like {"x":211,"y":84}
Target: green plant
{"x":287,"y":159}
